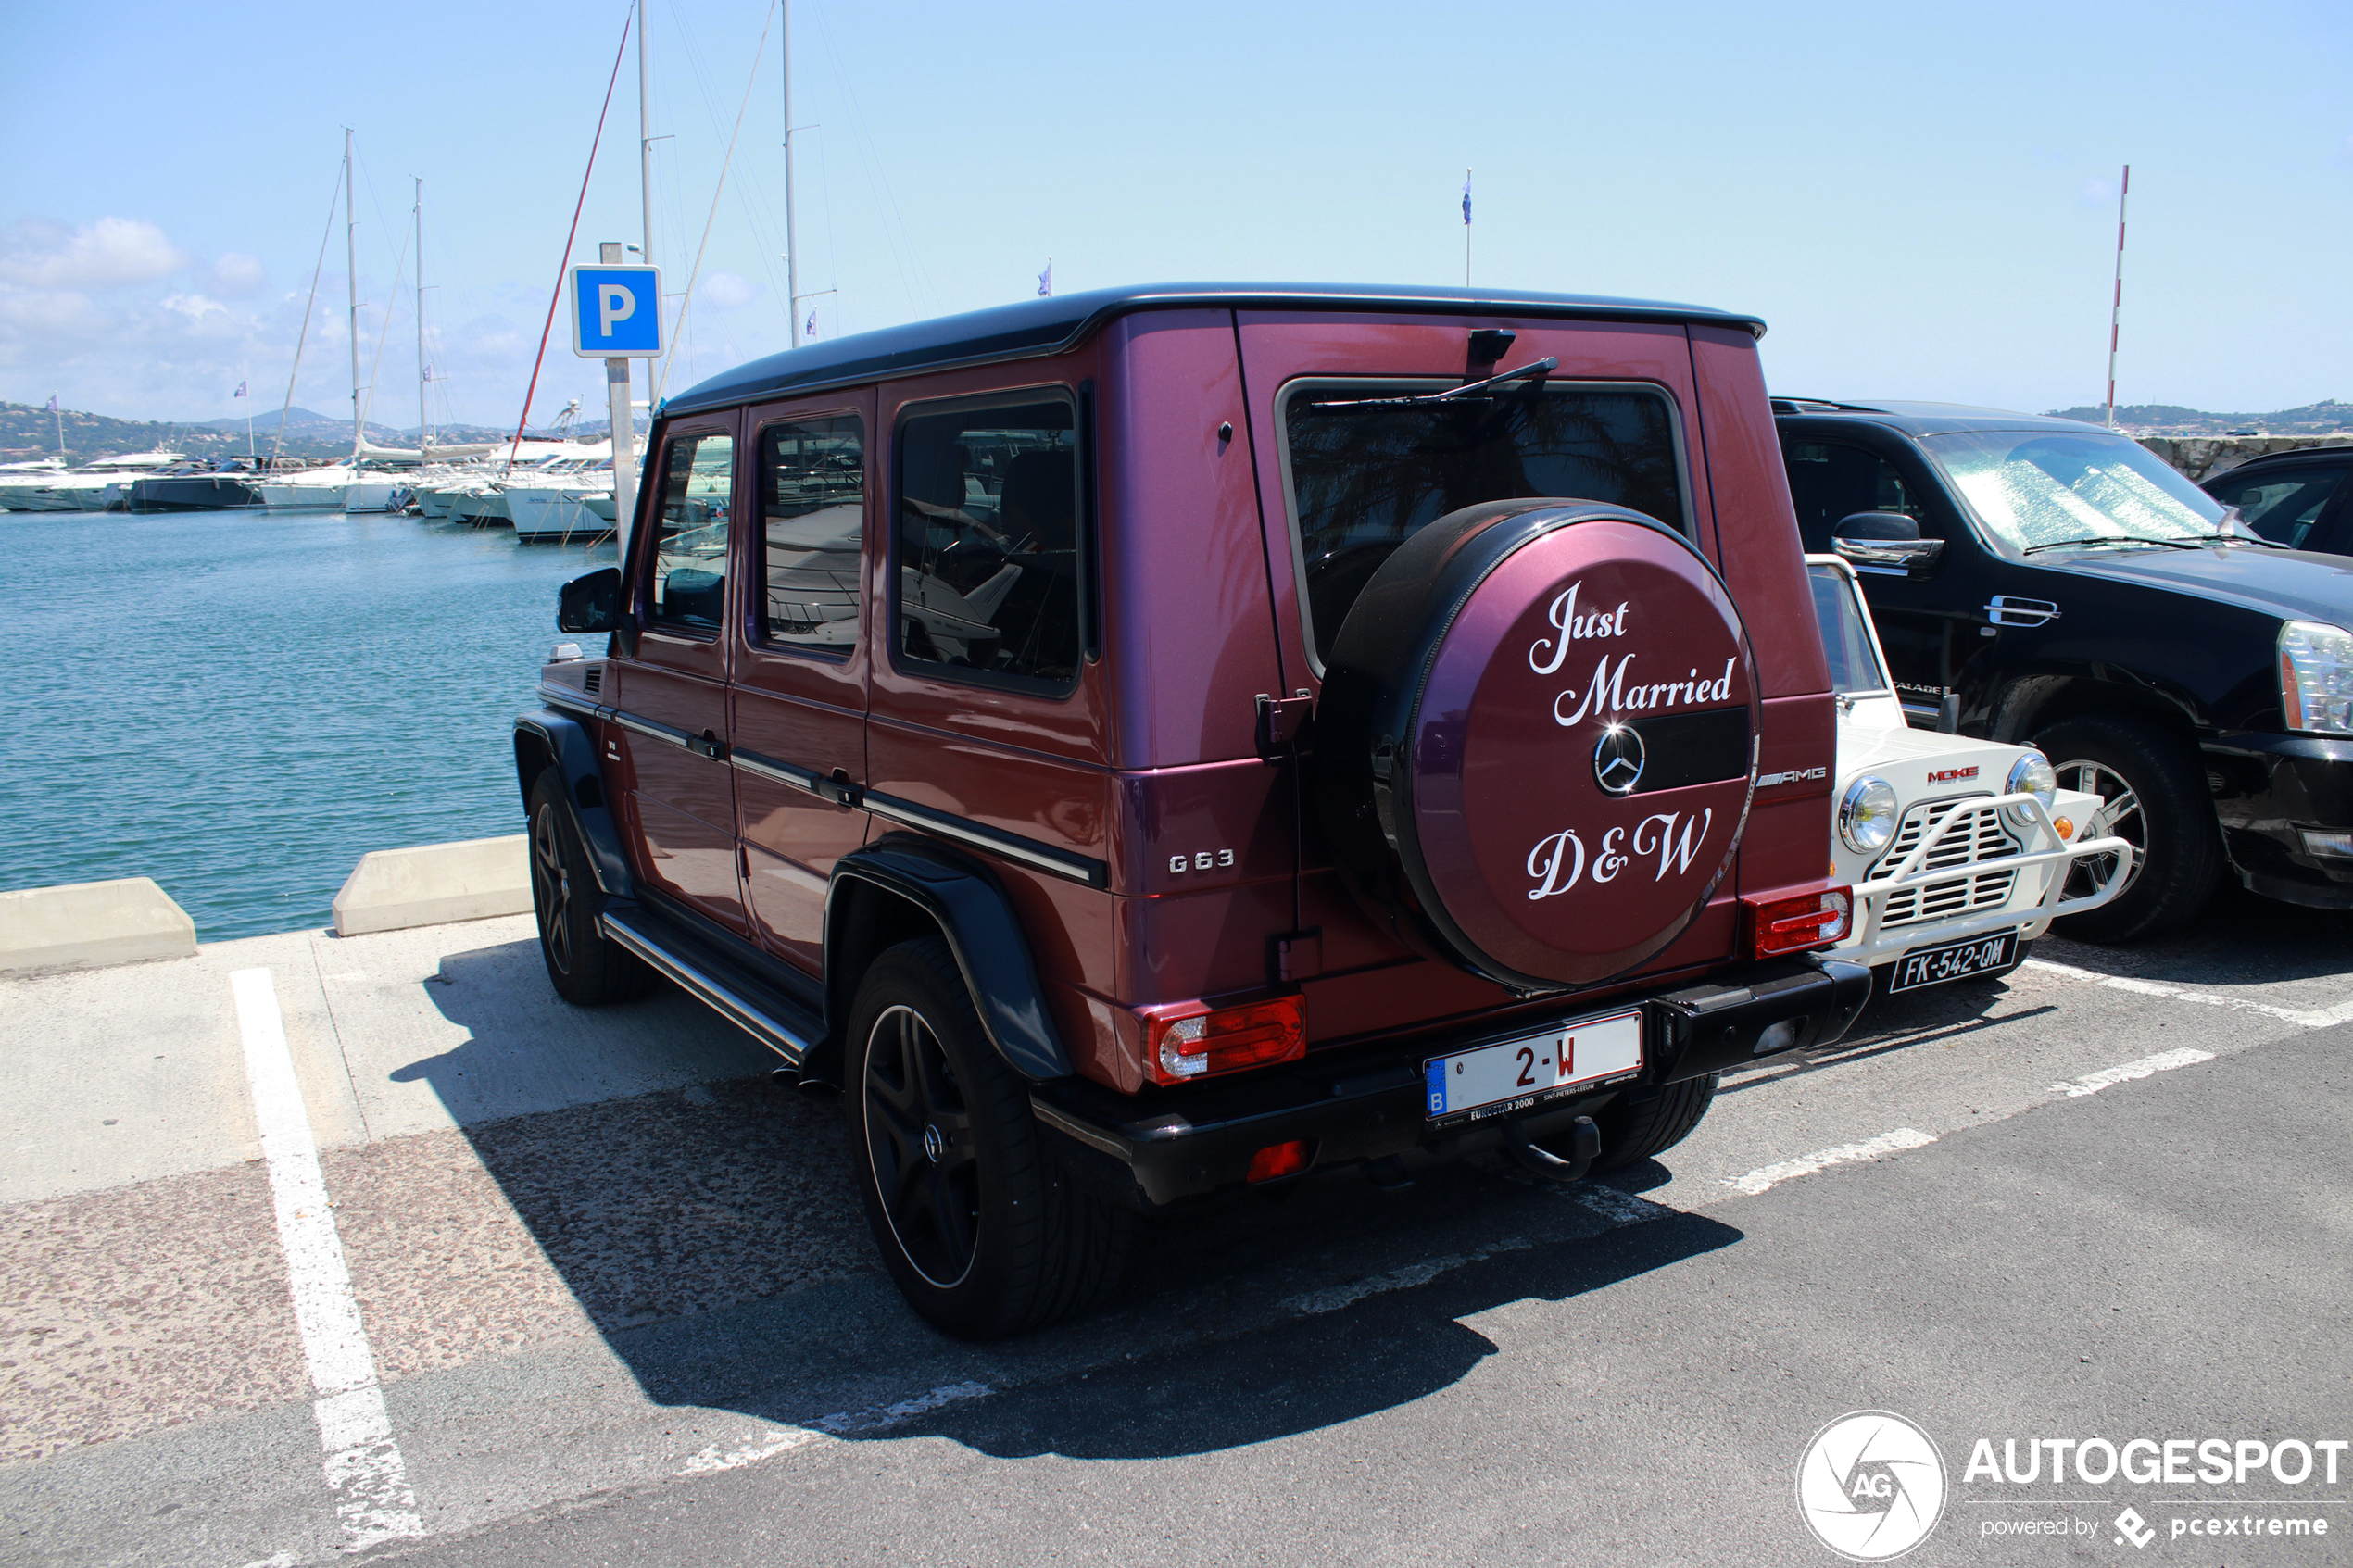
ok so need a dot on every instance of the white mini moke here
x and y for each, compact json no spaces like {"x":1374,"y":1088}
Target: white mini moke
{"x":1960,"y":851}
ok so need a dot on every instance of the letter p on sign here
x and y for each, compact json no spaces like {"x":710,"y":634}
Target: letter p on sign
{"x":614,"y":303}
{"x":616,"y":312}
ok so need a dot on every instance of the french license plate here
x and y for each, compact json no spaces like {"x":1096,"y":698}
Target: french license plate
{"x":1955,"y":960}
{"x":1495,"y":1079}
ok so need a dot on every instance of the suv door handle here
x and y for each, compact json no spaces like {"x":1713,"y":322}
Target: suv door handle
{"x":2004,"y":610}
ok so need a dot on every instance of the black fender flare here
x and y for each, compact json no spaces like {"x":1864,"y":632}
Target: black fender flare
{"x":969,"y":906}
{"x":545,"y":739}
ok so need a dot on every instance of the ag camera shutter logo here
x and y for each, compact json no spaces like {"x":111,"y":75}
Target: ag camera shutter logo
{"x":1871,"y":1486}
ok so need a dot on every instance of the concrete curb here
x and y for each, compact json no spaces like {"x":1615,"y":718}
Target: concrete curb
{"x":434,"y":884}
{"x":92,"y":924}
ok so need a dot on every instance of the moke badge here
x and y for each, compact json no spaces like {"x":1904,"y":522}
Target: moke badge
{"x":1618,"y":760}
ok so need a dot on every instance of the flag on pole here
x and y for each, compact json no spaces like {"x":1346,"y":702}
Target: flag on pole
{"x":1046,"y":279}
{"x":809,"y":329}
{"x":240,"y":391}
{"x":53,"y":404}
{"x":1467,"y":198}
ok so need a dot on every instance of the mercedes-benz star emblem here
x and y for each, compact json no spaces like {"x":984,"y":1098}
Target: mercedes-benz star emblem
{"x":1618,"y":760}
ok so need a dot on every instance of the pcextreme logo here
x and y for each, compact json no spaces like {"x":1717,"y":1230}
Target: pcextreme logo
{"x":1871,"y":1486}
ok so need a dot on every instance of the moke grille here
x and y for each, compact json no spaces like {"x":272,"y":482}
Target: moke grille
{"x":1971,"y":835}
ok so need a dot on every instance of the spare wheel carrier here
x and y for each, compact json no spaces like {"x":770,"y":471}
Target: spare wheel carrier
{"x":1536,"y":740}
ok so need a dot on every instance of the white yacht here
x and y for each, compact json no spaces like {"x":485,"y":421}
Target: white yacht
{"x":85,"y":489}
{"x":562,"y":506}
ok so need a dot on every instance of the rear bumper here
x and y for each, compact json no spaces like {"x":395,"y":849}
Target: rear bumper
{"x":2269,"y":789}
{"x":1163,"y":1147}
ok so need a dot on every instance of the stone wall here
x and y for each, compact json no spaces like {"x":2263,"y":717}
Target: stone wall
{"x":2203,"y":457}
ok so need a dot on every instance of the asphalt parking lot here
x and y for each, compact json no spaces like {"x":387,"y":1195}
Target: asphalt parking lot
{"x":615,"y":1302}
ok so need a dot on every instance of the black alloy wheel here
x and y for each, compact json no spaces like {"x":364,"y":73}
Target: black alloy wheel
{"x":975,"y":1208}
{"x":585,"y":965}
{"x":919,"y":1146}
{"x":2153,"y":796}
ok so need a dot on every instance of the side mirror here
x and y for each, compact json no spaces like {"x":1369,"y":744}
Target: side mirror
{"x":587,"y":604}
{"x":1886,"y":539}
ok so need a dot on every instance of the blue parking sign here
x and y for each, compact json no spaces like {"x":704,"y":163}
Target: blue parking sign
{"x":616,"y":312}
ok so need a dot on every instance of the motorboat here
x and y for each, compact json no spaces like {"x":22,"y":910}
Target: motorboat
{"x":90,"y":488}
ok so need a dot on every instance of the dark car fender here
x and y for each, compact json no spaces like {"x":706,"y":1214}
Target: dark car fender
{"x":544,"y":740}
{"x":972,"y":913}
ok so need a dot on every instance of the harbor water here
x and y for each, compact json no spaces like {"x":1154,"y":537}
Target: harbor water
{"x":240,"y":703}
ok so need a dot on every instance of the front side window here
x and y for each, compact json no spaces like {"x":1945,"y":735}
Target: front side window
{"x":2281,"y":507}
{"x":812,"y":503}
{"x":1829,"y":481}
{"x":2032,"y":491}
{"x":1854,"y":670}
{"x":1372,"y":465}
{"x":988,"y":543}
{"x":690,"y":531}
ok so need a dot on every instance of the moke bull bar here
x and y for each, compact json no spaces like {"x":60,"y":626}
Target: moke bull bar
{"x":1876,"y":945}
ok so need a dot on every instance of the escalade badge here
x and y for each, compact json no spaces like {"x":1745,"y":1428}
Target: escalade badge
{"x":1618,"y":760}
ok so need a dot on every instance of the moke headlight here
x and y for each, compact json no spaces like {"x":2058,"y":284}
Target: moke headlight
{"x":1866,"y":815}
{"x":2031,"y":774}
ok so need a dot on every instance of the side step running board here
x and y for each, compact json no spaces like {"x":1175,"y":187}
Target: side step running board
{"x":765,"y":1014}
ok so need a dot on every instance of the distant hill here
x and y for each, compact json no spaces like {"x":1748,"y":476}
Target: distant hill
{"x":296,"y":418}
{"x":28,"y":430}
{"x":2168,"y":419}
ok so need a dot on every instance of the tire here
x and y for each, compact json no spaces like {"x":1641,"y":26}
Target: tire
{"x":2165,"y":814}
{"x":978,"y":1219}
{"x":1634,"y":1133}
{"x":587,"y":967}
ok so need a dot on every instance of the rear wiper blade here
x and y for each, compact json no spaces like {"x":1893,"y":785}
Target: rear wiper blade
{"x":1542,"y":367}
{"x":2117,"y":539}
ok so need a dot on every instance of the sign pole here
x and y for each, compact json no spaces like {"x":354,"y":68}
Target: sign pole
{"x":624,"y":457}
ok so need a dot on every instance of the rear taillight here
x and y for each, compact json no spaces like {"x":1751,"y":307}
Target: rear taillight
{"x":1192,"y":1040}
{"x":1792,"y":925}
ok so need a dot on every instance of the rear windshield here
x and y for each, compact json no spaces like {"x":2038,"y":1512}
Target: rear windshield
{"x":1366,"y":476}
{"x":1854,"y":670}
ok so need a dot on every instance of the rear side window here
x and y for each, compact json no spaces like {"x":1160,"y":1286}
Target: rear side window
{"x":2281,"y":507}
{"x":1371,"y":465}
{"x":812,"y":503}
{"x":988,"y":544}
{"x":690,"y":530}
{"x":1828,"y":483}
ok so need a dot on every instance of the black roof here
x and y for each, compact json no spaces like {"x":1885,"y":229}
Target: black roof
{"x":1927,"y":419}
{"x":1049,"y":326}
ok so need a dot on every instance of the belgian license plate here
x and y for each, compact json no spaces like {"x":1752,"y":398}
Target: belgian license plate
{"x":1955,"y":960}
{"x":1495,"y":1079}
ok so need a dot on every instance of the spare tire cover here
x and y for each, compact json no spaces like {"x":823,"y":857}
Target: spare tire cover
{"x":1535,"y":740}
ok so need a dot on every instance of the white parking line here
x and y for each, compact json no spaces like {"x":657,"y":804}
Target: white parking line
{"x":757,"y":1445}
{"x":2164,"y":1062}
{"x":1767,"y":1177}
{"x":363,"y":1466}
{"x":2320,"y":1018}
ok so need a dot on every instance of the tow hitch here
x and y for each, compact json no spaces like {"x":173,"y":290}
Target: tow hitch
{"x":1584,"y":1138}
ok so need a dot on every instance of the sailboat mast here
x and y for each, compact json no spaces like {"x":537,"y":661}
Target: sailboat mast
{"x":351,"y":277}
{"x":644,"y":137}
{"x":792,"y":239}
{"x":421,"y":369}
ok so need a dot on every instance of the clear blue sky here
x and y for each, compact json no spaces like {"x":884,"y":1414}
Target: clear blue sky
{"x":1920,"y":200}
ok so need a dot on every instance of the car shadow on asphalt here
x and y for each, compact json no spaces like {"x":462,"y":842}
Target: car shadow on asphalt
{"x":2240,"y":938}
{"x":1319,"y":1370}
{"x":714,"y":1237}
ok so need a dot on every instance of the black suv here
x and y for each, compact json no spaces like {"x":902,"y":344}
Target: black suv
{"x":2047,"y":581}
{"x":2299,"y":499}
